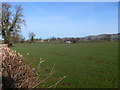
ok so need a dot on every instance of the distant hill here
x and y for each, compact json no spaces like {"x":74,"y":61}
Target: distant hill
{"x":102,"y":37}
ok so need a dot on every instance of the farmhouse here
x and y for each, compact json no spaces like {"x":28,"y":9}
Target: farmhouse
{"x":40,"y":40}
{"x":67,"y":41}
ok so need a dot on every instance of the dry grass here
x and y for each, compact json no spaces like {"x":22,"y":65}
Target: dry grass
{"x":16,"y":74}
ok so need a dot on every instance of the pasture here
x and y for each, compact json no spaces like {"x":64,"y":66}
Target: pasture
{"x":85,"y":65}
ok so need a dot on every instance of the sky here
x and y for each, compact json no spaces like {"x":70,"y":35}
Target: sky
{"x":69,"y":19}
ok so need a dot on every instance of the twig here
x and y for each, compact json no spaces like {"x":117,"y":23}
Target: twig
{"x":42,"y":81}
{"x":57,"y":82}
{"x":23,"y":83}
{"x":53,"y":68}
{"x":39,"y":65}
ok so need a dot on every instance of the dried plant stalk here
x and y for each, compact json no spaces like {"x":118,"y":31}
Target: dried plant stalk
{"x":17,"y":74}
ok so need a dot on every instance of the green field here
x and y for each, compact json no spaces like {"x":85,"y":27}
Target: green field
{"x":85,"y":65}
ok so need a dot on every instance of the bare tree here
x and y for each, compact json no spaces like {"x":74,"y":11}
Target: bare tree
{"x":11,"y":21}
{"x":31,"y":36}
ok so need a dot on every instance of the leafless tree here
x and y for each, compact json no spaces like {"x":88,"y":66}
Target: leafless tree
{"x":11,"y":21}
{"x":31,"y":36}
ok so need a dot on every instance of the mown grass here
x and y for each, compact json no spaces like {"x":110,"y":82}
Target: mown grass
{"x":85,"y":65}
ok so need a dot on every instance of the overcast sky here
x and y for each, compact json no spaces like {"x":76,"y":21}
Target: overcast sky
{"x":69,"y":19}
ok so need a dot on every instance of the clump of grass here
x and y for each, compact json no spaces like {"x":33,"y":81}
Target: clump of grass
{"x":17,"y":74}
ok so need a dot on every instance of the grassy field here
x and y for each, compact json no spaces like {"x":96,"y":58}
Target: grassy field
{"x":85,"y":65}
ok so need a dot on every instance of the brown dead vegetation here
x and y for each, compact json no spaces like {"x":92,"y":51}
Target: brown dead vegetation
{"x":17,"y":74}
